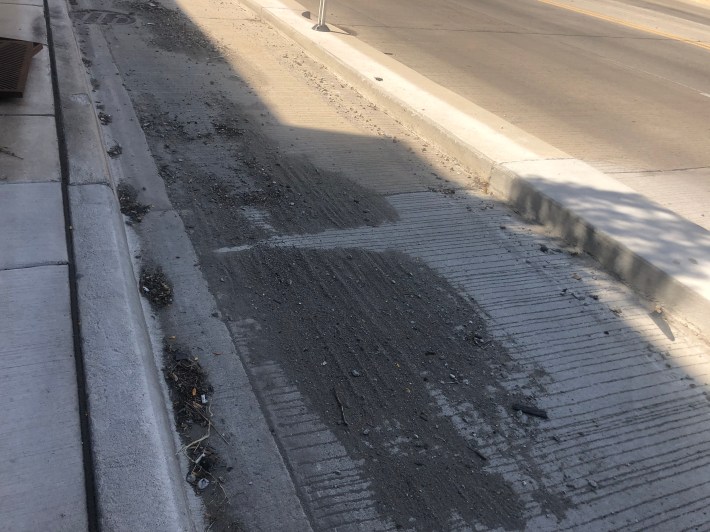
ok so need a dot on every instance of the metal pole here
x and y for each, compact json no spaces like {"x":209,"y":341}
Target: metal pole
{"x":321,"y":26}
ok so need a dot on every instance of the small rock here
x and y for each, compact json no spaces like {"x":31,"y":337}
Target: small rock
{"x":544,"y":248}
{"x":355,"y":373}
{"x":593,"y":484}
{"x":202,"y":484}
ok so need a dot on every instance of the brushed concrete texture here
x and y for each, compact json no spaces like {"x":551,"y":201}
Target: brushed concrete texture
{"x":23,"y":22}
{"x":138,"y":483}
{"x":40,"y":438}
{"x":37,"y":98}
{"x":32,"y":221}
{"x":29,"y":149}
{"x":660,"y":253}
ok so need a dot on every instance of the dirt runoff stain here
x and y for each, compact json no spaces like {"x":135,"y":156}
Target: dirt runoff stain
{"x":367,"y":336}
{"x":247,"y":191}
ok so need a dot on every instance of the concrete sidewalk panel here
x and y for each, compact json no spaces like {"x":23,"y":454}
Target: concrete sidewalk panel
{"x":28,"y":149}
{"x":138,"y":482}
{"x":40,"y":436}
{"x":32,"y":222}
{"x":23,"y":22}
{"x":38,"y":98}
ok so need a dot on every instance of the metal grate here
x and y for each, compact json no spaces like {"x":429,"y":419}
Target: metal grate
{"x":15,"y":59}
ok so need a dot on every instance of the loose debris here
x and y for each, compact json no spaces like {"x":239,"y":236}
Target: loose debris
{"x":340,"y":405}
{"x":227,"y":130}
{"x":114,"y":151}
{"x":188,"y":384}
{"x":530,"y":410}
{"x":189,"y":390}
{"x":128,"y":200}
{"x":105,"y":119}
{"x":154,"y":285}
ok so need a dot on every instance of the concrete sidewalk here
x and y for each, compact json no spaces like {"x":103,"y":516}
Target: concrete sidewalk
{"x":661,"y":254}
{"x":87,"y":437}
{"x":41,"y":430}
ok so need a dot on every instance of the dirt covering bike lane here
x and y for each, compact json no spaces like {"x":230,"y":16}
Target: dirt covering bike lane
{"x":370,"y":339}
{"x":390,"y":400}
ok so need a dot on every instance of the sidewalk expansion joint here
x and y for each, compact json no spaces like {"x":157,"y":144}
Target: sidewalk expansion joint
{"x":90,"y":183}
{"x":35,"y":265}
{"x":25,"y":183}
{"x":28,"y":114}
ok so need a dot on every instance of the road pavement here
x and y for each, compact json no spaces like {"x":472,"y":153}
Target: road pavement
{"x":624,"y":86}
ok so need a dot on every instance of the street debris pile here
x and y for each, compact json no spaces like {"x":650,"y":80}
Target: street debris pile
{"x":128,"y":200}
{"x":190,"y":396}
{"x":104,"y":118}
{"x":114,"y":151}
{"x":155,"y":286}
{"x":189,"y":389}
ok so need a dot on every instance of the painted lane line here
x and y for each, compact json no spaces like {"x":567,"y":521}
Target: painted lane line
{"x":621,"y":22}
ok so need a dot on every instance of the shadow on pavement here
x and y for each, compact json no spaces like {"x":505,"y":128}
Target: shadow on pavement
{"x":388,"y":313}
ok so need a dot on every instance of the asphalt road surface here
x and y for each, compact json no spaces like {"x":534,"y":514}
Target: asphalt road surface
{"x":381,"y":345}
{"x":615,"y":84}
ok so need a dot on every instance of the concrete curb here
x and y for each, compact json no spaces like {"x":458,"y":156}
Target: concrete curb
{"x":660,"y":254}
{"x":138,"y":483}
